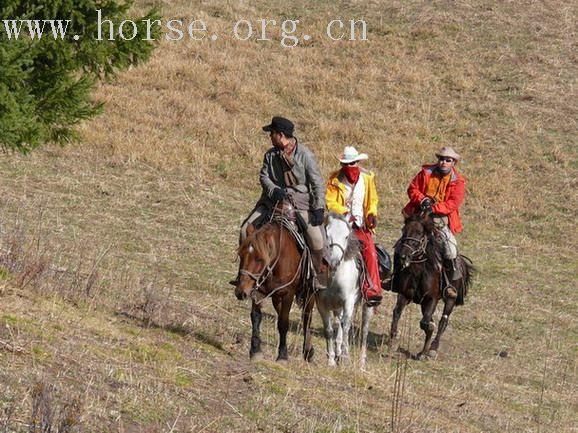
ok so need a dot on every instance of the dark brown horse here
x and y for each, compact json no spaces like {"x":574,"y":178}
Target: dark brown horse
{"x":418,"y":277}
{"x":271,"y":267}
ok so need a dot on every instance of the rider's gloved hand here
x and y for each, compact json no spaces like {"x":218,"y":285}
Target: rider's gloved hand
{"x":426,"y":205}
{"x":371,"y":221}
{"x":279,"y":194}
{"x":317,"y":217}
{"x":353,"y":221}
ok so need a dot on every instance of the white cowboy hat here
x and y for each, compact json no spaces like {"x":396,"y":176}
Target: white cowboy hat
{"x":350,"y":154}
{"x":448,"y":152}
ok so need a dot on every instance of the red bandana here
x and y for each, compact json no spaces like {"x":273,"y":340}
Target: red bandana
{"x":351,"y":173}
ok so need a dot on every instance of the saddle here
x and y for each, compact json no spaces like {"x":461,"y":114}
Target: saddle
{"x":285,"y":214}
{"x":385,"y":267}
{"x":384,"y":262}
{"x":284,"y":209}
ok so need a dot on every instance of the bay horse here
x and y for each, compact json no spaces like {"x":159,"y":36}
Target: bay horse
{"x":417,"y":277}
{"x":343,"y":293}
{"x":271,"y":266}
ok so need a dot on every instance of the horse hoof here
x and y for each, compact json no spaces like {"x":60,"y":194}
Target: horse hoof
{"x":332,"y":363}
{"x":422,"y":356}
{"x":282,"y":360}
{"x":257,"y":356}
{"x":308,"y":355}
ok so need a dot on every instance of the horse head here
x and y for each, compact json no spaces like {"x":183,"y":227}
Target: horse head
{"x":339,"y":239}
{"x":413,"y":244}
{"x":256,"y":254}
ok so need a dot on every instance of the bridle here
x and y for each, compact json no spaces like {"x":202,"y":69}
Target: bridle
{"x":261,"y":277}
{"x":335,"y":244}
{"x":418,"y":253}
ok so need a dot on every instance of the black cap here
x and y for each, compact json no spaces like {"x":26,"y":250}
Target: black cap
{"x":280,"y":124}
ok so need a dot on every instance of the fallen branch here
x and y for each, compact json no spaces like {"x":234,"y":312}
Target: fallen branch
{"x":10,"y":347}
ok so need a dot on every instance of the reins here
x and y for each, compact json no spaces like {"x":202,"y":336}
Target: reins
{"x":334,"y":244}
{"x":417,"y":254}
{"x":343,"y":250}
{"x":267,"y":271}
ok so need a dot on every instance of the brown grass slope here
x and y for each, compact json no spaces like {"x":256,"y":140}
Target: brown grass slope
{"x":116,"y":252}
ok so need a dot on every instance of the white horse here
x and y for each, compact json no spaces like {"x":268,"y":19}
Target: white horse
{"x":343,"y":292}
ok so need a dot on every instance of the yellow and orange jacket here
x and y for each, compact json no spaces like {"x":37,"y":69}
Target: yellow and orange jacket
{"x":335,"y":194}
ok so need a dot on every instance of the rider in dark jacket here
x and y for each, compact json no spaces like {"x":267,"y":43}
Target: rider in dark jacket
{"x":290,"y":169}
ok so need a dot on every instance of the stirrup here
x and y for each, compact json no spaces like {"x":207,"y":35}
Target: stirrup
{"x":318,"y":285}
{"x":374,"y":301}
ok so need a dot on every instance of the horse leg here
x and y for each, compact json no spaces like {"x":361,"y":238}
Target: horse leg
{"x":339,"y":337}
{"x":327,"y":317}
{"x":366,"y":315}
{"x":443,"y":323}
{"x":348,"y":309}
{"x":256,"y":315}
{"x":344,"y":326}
{"x":308,"y":350}
{"x":400,"y":304}
{"x":282,"y":306}
{"x":428,"y":307}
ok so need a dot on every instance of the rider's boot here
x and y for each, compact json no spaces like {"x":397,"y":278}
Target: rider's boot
{"x":321,"y":270}
{"x":453,"y":274}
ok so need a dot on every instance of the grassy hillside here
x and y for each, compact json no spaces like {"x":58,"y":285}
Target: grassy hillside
{"x":115,"y":315}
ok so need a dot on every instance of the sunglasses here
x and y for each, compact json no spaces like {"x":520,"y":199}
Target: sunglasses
{"x":349,"y":163}
{"x":444,"y":159}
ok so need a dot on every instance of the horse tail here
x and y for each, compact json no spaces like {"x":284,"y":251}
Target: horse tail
{"x":468,"y":270}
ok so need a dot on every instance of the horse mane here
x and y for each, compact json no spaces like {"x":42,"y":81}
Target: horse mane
{"x":337,"y":216}
{"x":263,"y":242}
{"x":352,"y":249}
{"x":433,"y":250}
{"x":427,"y":222}
{"x":353,"y":244}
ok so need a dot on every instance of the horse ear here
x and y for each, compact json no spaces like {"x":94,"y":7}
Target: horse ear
{"x":250,"y":229}
{"x":406,"y":217}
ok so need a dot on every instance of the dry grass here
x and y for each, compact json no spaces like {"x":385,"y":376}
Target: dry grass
{"x":116,"y":252}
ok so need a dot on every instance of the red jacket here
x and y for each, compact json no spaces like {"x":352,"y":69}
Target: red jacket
{"x":454,"y":196}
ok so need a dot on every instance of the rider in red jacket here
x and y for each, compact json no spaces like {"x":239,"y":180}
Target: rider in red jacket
{"x":439,"y":189}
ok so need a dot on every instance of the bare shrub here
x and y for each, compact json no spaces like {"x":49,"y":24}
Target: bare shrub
{"x":7,"y":414}
{"x":48,"y":417}
{"x":31,"y":263}
{"x":151,"y":304}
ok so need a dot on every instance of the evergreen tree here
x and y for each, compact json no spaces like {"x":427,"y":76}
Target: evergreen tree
{"x":45,"y":83}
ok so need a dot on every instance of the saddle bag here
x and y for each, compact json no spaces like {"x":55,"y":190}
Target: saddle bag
{"x":384,"y":262}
